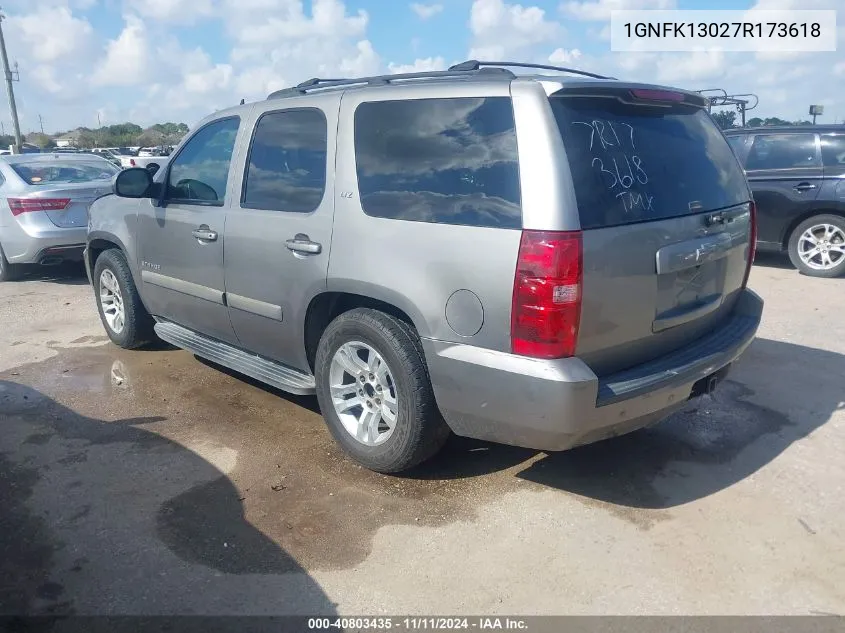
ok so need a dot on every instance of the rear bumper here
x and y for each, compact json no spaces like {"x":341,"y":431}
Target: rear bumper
{"x":557,"y":404}
{"x":32,"y":237}
{"x":63,"y":244}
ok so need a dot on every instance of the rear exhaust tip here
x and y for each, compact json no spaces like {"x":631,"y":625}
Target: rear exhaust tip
{"x":51,"y":261}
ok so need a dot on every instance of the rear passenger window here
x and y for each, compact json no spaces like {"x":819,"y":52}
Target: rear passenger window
{"x":450,"y":161}
{"x":287,"y":162}
{"x":783,"y":151}
{"x":833,"y":150}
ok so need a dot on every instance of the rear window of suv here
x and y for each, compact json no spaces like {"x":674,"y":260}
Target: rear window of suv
{"x":449,"y":161}
{"x":638,"y":163}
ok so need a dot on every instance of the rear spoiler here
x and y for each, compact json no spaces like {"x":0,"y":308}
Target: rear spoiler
{"x":635,"y":94}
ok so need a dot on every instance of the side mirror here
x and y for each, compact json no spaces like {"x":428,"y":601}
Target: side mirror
{"x":134,"y":182}
{"x":153,"y":168}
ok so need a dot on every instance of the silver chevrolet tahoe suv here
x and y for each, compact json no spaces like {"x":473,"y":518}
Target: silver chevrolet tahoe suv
{"x":542,"y":260}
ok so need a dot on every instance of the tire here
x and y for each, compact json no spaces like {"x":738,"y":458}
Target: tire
{"x":418,"y":430}
{"x":796,"y":244}
{"x":8,"y":272}
{"x":137,"y":328}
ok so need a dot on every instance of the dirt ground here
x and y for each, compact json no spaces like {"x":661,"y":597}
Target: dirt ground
{"x":149,"y":482}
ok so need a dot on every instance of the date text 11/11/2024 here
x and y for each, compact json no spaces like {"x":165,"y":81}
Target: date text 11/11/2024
{"x":619,"y":166}
{"x":417,"y":623}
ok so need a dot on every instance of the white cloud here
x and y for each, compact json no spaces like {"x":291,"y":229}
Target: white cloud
{"x":364,"y":62}
{"x":426,"y":11}
{"x":419,"y":66}
{"x":501,"y":30}
{"x":127,"y":61}
{"x":563,"y":56}
{"x":600,"y":9}
{"x":175,"y":11}
{"x":35,"y":5}
{"x":45,"y":77}
{"x":695,"y":66}
{"x":66,"y":35}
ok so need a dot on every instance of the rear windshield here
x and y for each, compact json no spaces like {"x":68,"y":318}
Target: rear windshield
{"x":64,"y":171}
{"x":641,"y":163}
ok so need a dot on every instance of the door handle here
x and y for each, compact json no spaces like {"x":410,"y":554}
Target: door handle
{"x":301,"y":243}
{"x":205,"y":234}
{"x":804,"y":186}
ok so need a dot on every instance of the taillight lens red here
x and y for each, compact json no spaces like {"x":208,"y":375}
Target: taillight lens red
{"x":25,"y":205}
{"x":132,"y":162}
{"x":648,"y":94}
{"x":547,"y":294}
{"x":752,"y":243}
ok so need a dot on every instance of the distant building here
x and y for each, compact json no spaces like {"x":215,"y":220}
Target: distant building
{"x":71,"y":139}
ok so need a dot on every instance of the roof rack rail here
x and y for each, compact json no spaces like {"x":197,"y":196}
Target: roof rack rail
{"x":317,"y":83}
{"x":473,"y":64}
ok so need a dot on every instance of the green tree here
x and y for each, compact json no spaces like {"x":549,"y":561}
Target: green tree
{"x":755,"y":122}
{"x":41,"y":140}
{"x":775,"y":121}
{"x":725,"y":119}
{"x":88,"y":139}
{"x":6,"y":140}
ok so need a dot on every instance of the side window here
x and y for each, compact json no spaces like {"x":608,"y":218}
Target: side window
{"x":783,"y":151}
{"x":200,"y":171}
{"x":833,"y":150}
{"x":287,"y":162}
{"x":450,"y":161}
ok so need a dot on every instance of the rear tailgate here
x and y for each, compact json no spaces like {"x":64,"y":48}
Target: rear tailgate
{"x":664,"y":209}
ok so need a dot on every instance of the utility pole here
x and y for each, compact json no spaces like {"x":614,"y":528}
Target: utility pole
{"x":41,"y":122}
{"x":9,"y":78}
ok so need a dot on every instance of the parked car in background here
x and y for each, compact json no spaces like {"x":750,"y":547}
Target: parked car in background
{"x":538,"y":260}
{"x":122,"y":151}
{"x":153,"y":151}
{"x":44,"y":201}
{"x":797,"y":177}
{"x":107,"y":153}
{"x":153,"y":163}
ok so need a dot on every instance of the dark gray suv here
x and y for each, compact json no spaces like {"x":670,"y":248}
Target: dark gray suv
{"x":541,"y":260}
{"x":797,"y":177}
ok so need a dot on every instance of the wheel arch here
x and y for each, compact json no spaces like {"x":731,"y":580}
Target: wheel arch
{"x":101,"y":241}
{"x":327,"y":306}
{"x":790,"y":229}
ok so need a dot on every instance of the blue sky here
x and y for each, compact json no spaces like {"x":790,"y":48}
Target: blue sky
{"x":156,"y":60}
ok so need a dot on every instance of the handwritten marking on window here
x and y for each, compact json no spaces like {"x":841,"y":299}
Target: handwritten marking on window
{"x":614,"y":152}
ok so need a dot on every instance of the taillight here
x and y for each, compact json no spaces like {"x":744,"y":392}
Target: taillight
{"x":547,"y":294}
{"x":752,"y":242}
{"x":24,"y":205}
{"x":648,"y":94}
{"x":132,"y":162}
